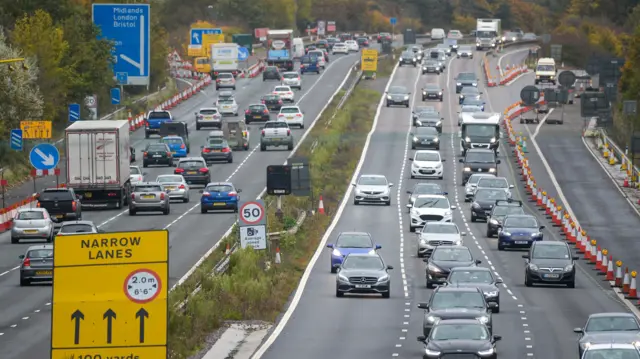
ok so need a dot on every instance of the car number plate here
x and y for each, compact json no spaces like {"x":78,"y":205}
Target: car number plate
{"x":148,"y":196}
{"x":173,"y":152}
{"x":551,"y":275}
{"x":257,"y":117}
{"x":157,"y":156}
{"x":220,"y":204}
{"x":30,"y":231}
{"x":44,"y":272}
{"x":59,"y":215}
{"x":171,"y":187}
{"x":521,"y":242}
{"x":217,"y":150}
{"x":426,"y":142}
{"x":191,"y":172}
{"x":276,"y":139}
{"x":363,"y":286}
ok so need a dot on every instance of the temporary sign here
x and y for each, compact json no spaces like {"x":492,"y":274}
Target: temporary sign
{"x":369,"y":60}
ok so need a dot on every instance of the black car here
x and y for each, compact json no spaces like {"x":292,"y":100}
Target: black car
{"x":500,"y":210}
{"x":398,"y":95}
{"x":465,"y":79}
{"x":456,"y":303}
{"x":432,"y":92}
{"x":478,"y":160}
{"x":483,"y":202}
{"x":519,"y":231}
{"x":256,"y":112}
{"x":217,"y":149}
{"x":132,"y":154}
{"x":477,"y":277}
{"x":273,"y":102}
{"x":550,"y":262}
{"x":271,"y":73}
{"x":429,"y":120}
{"x":605,"y":328}
{"x":363,"y":273}
{"x":420,"y":109}
{"x":425,"y":137}
{"x":469,"y":93}
{"x":332,"y":41}
{"x":408,"y":58}
{"x":194,"y":170}
{"x":62,"y":204}
{"x":460,"y":338}
{"x":418,"y":51}
{"x":443,"y":259}
{"x":157,"y":154}
{"x":362,"y":42}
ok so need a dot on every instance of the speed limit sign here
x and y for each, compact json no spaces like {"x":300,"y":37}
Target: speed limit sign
{"x":252,"y":213}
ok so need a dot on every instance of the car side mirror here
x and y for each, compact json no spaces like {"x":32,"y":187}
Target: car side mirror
{"x":389,"y":267}
{"x":21,"y":256}
{"x":201,"y":147}
{"x":461,"y":160}
{"x":542,"y":227}
{"x":409,"y":192}
{"x":443,"y":160}
{"x":422,"y":339}
{"x":575,"y":258}
{"x":454,"y":207}
{"x":353,"y":184}
{"x":497,"y":338}
{"x":201,"y":191}
{"x":409,"y":205}
{"x":378,"y":246}
{"x":330,"y":245}
{"x":174,"y":165}
{"x":578,"y":330}
{"x":442,"y":118}
{"x":499,"y":281}
{"x":390,"y":185}
{"x":477,"y":261}
{"x":410,"y":158}
{"x":426,"y":260}
{"x":463,"y":234}
{"x":525,"y":256}
{"x":423,"y":305}
{"x":195,"y":113}
{"x":498,"y":161}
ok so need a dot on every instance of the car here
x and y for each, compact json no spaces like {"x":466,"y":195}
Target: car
{"x":272,"y":101}
{"x":194,"y":170}
{"x":271,"y":73}
{"x":319,"y":55}
{"x":431,"y":66}
{"x":465,"y":79}
{"x":408,"y":58}
{"x":483,"y":202}
{"x":460,"y":338}
{"x":605,"y":328}
{"x":469,"y":92}
{"x":418,"y":51}
{"x":440,"y":56}
{"x":477,"y":277}
{"x":472,"y":184}
{"x":322,"y":44}
{"x":76,"y":227}
{"x":332,"y":41}
{"x":452,"y":43}
{"x":429,"y":208}
{"x":444,"y":47}
{"x":153,"y":120}
{"x":372,"y":189}
{"x":32,"y":223}
{"x":529,"y":36}
{"x":350,"y":242}
{"x":225,"y":95}
{"x":132,"y":154}
{"x":256,"y":112}
{"x":435,"y":234}
{"x":149,"y":197}
{"x":432,"y":91}
{"x":465,"y":52}
{"x":340,"y":48}
{"x":285,"y":93}
{"x":135,"y":174}
{"x":218,"y":196}
{"x":363,"y":273}
{"x":36,"y":264}
{"x":456,"y":303}
{"x":352,"y":45}
{"x":510,"y":37}
{"x":425,"y":137}
{"x":478,"y":160}
{"x":276,"y":133}
{"x":310,"y":63}
{"x":208,"y":117}
{"x":500,"y":210}
{"x":177,"y":146}
{"x":384,"y":36}
{"x":497,"y":183}
{"x":175,"y":186}
{"x":519,"y":231}
{"x":157,"y":154}
{"x":227,"y":106}
{"x":473,"y":101}
{"x":432,"y":120}
{"x":612,"y":350}
{"x":454,"y":34}
{"x":467,"y":109}
{"x":62,"y":203}
{"x":398,"y":95}
{"x":420,"y":109}
{"x":217,"y":149}
{"x":225,"y":80}
{"x":423,"y":188}
{"x":362,"y":42}
{"x":292,"y":115}
{"x":292,"y":79}
{"x":550,"y":262}
{"x":427,"y":164}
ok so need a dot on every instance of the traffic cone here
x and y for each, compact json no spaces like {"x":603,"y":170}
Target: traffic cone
{"x":623,"y":166}
{"x":587,"y":251}
{"x":605,"y":263}
{"x":228,"y":250}
{"x":618,"y":282}
{"x":539,"y":198}
{"x":626,"y":281}
{"x":610,"y":277}
{"x":534,"y":192}
{"x":626,"y":181}
{"x":321,"y":206}
{"x":598,"y":259}
{"x":593,"y":256}
{"x":278,"y":259}
{"x":633,"y":289}
{"x":524,"y":145}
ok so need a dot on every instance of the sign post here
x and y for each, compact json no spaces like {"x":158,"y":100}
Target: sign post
{"x":252,"y":222}
{"x":110,"y":295}
{"x":393,"y":22}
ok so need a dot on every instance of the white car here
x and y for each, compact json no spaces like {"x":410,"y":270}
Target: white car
{"x":495,"y":183}
{"x":292,"y":79}
{"x":292,"y":115}
{"x":429,"y":208}
{"x":472,"y":184}
{"x":435,"y":234}
{"x":340,"y":48}
{"x":320,"y":55}
{"x":454,"y":34}
{"x":135,"y":175}
{"x":427,"y":164}
{"x":208,"y":117}
{"x":285,"y":93}
{"x":225,"y":80}
{"x":175,"y":186}
{"x":352,"y":45}
{"x":372,"y":189}
{"x":467,"y":109}
{"x":227,"y":106}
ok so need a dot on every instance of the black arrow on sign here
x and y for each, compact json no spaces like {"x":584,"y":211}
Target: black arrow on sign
{"x":77,"y":316}
{"x":142,"y":314}
{"x":109,"y":315}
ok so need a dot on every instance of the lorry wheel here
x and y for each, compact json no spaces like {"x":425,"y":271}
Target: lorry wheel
{"x":197,"y":127}
{"x":290,"y":147}
{"x":166,"y":211}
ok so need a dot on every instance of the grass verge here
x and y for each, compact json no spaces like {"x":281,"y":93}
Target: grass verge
{"x":252,"y":289}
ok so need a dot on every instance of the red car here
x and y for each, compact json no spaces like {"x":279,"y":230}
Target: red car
{"x":384,"y":36}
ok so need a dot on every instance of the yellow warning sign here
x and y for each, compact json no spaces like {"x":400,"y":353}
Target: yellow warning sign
{"x":208,"y":39}
{"x":369,"y":60}
{"x":196,"y":51}
{"x":32,"y":130}
{"x":104,"y":353}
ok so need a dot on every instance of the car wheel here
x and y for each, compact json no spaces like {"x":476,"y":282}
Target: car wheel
{"x":290,"y":147}
{"x":302,"y":126}
{"x":496,"y":310}
{"x":355,"y":203}
{"x":473,"y":217}
{"x":146,"y":135}
{"x":333,"y":269}
{"x":489,"y":233}
{"x":166,"y":211}
{"x":387,"y":294}
{"x":428,"y":284}
{"x":197,"y":127}
{"x":412,"y":229}
{"x":230,"y":160}
{"x":441,"y":177}
{"x":571,"y":284}
{"x":412,"y":176}
{"x":263,"y":148}
{"x":15,"y":240}
{"x":527,"y":282}
{"x":132,"y":212}
{"x":339,"y":294}
{"x":24,"y":282}
{"x":202,"y":209}
{"x":186,"y":200}
{"x":388,"y":203}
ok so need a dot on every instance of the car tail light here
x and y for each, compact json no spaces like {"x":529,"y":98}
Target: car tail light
{"x":298,"y":115}
{"x":74,"y":205}
{"x":280,"y":115}
{"x":178,"y":170}
{"x":289,"y":93}
{"x":301,"y":66}
{"x":146,"y":123}
{"x":299,"y":79}
{"x":226,"y":150}
{"x":265,"y":111}
{"x":245,"y":133}
{"x":262,"y":134}
{"x":182,"y":146}
{"x":133,"y":196}
{"x":282,"y":79}
{"x":45,"y":215}
{"x":162,"y":196}
{"x":233,"y":194}
{"x":206,"y":194}
{"x":168,"y":154}
{"x":247,"y":112}
{"x":280,"y":102}
{"x":145,"y":154}
{"x":38,"y":205}
{"x":235,"y":73}
{"x":216,"y":73}
{"x":288,"y":132}
{"x":182,"y":186}
{"x":218,"y":80}
{"x":206,"y":150}
{"x":205,"y":169}
{"x":200,"y":117}
{"x":26,"y":262}
{"x":263,"y":101}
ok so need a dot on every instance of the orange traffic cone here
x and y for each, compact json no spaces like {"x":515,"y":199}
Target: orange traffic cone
{"x":618,"y":282}
{"x":278,"y":259}
{"x":321,"y":206}
{"x":605,"y":263}
{"x":228,"y":250}
{"x":598,"y":259}
{"x":626,"y":281}
{"x":593,"y":256}
{"x":610,"y":277}
{"x":633,"y":290}
{"x":626,"y":181}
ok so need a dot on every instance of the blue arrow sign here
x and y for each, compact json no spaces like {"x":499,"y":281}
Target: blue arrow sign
{"x":243,"y":53}
{"x":74,"y":112}
{"x":115,"y":96}
{"x":16,"y":139}
{"x":196,"y":35}
{"x":393,"y":20}
{"x":127,"y":26}
{"x":44,"y":156}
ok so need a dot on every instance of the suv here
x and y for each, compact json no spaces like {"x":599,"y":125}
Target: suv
{"x":456,"y":303}
{"x":61,"y":203}
{"x":309,"y":63}
{"x":194,"y":170}
{"x":550,"y":262}
{"x":271,"y":73}
{"x":225,"y":80}
{"x":276,"y":133}
{"x":208,"y":116}
{"x":478,"y":160}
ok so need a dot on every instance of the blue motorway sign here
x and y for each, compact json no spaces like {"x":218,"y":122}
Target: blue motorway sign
{"x":127,"y":26}
{"x":44,"y":156}
{"x":393,"y":21}
{"x":195,"y":37}
{"x":115,"y":96}
{"x":16,"y":139}
{"x":74,"y":112}
{"x":243,"y":53}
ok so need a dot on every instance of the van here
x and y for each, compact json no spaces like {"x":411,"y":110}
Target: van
{"x":237,"y":134}
{"x":480,"y":130}
{"x":298,"y":48}
{"x":319,"y":54}
{"x":437,"y":34}
{"x":546,"y":70}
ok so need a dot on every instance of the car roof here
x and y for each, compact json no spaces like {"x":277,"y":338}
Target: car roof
{"x":148,"y":183}
{"x":611,"y":346}
{"x":90,"y":223}
{"x":522,"y":216}
{"x":426,"y":151}
{"x":184,"y":159}
{"x":172,"y":137}
{"x":208,"y":109}
{"x":366,"y":254}
{"x":169,"y":175}
{"x":220,"y":184}
{"x":479,"y":150}
{"x":549,"y":243}
{"x":39,"y":246}
{"x":353,"y":232}
{"x":612,"y":314}
{"x":477,"y":269}
{"x":368,"y":175}
{"x":483,"y":175}
{"x":225,"y":93}
{"x":458,"y":321}
{"x":457,"y":289}
{"x":291,"y":72}
{"x":31,"y":209}
{"x":296,"y":107}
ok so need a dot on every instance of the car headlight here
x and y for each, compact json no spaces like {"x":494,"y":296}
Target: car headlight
{"x":485,"y":352}
{"x":373,"y":251}
{"x":432,"y":319}
{"x":493,"y":140}
{"x":467,"y":169}
{"x":433,"y":268}
{"x":424,"y":93}
{"x":503,"y":38}
{"x":491,"y":294}
{"x":401,"y":59}
{"x":568,"y":268}
{"x":415,"y":139}
{"x":491,"y":170}
{"x":539,"y":234}
{"x":477,"y":44}
{"x":483,"y":319}
{"x":415,"y":213}
{"x":336,"y":253}
{"x":447,"y":213}
{"x":414,"y":59}
{"x":439,"y":165}
{"x":384,"y":278}
{"x":475,"y":84}
{"x":342,"y":278}
{"x":537,"y":77}
{"x":551,"y":77}
{"x":493,"y":221}
{"x":430,"y":352}
{"x":439,"y":123}
{"x":505,"y":233}
{"x":586,"y":345}
{"x":533,"y":266}
{"x":461,"y":96}
{"x":406,"y":97}
{"x":458,"y":84}
{"x":436,"y":139}
{"x":467,"y":139}
{"x":440,"y":93}
{"x":475,"y":205}
{"x":458,"y":242}
{"x":388,"y":97}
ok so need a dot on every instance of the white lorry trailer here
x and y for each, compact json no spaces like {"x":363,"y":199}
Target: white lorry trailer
{"x":224,"y":58}
{"x":488,"y":33}
{"x":98,"y":155}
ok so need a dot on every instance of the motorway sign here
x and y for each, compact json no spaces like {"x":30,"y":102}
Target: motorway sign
{"x":115,"y":96}
{"x":243,"y":53}
{"x":74,"y":112}
{"x":393,"y":21}
{"x":127,"y":25}
{"x":16,"y":140}
{"x":110,"y":295}
{"x":252,"y":213}
{"x":44,"y":156}
{"x":196,"y":35}
{"x":32,"y":130}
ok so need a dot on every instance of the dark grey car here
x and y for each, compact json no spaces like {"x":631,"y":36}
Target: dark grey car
{"x":550,"y":262}
{"x":478,"y":160}
{"x":37,"y":265}
{"x":421,"y":109}
{"x":465,"y":79}
{"x":460,"y":338}
{"x":605,"y":328}
{"x":398,"y":95}
{"x":431,"y":67}
{"x":408,"y":58}
{"x":477,"y":277}
{"x":362,"y":273}
{"x":469,"y":92}
{"x":425,"y":137}
{"x":149,"y":197}
{"x":432,"y":92}
{"x":430,"y":120}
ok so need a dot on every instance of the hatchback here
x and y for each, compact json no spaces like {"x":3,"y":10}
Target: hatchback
{"x":271,"y":73}
{"x":75,"y":227}
{"x":149,"y":197}
{"x":31,"y":223}
{"x":225,"y":80}
{"x":219,"y":196}
{"x":292,"y":79}
{"x":157,"y":154}
{"x":217,"y":149}
{"x":37,"y":265}
{"x":208,"y":117}
{"x":256,"y":112}
{"x":194,"y":170}
{"x":176,"y":145}
{"x":175,"y":186}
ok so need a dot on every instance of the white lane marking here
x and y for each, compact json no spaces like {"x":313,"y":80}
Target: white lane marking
{"x":508,"y":54}
{"x":9,"y":271}
{"x":532,"y":136}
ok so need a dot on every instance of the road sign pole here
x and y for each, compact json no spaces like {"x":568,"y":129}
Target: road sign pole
{"x":279,"y":212}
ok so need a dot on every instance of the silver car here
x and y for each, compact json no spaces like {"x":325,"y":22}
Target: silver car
{"x":32,"y":223}
{"x":175,"y":186}
{"x":208,"y":117}
{"x":465,"y":51}
{"x":372,"y":189}
{"x":438,"y":233}
{"x":292,"y":79}
{"x":495,"y":183}
{"x":75,"y":227}
{"x":472,"y":184}
{"x":149,"y":197}
{"x":135,"y":175}
{"x":225,"y":80}
{"x":37,"y":264}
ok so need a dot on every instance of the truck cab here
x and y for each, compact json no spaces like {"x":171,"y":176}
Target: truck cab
{"x":546,"y":71}
{"x":488,"y":33}
{"x":153,"y":120}
{"x":480,"y":130}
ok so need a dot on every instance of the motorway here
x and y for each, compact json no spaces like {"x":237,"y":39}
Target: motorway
{"x":534,"y":322}
{"x":25,"y":311}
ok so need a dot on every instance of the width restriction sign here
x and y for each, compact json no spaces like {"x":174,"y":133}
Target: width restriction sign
{"x":252,"y":213}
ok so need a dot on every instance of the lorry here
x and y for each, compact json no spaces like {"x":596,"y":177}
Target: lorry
{"x":224,"y":58}
{"x":488,"y":33}
{"x":98,"y":162}
{"x":280,"y":49}
{"x":480,"y":130}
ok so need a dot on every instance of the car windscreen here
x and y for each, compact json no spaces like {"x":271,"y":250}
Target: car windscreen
{"x":156,"y":148}
{"x":147,"y":189}
{"x":551,"y":252}
{"x":474,"y":179}
{"x":521,"y":222}
{"x":282,"y":89}
{"x":172,"y":141}
{"x":427,"y":188}
{"x":480,"y":157}
{"x":76,"y":228}
{"x":490,"y":195}
{"x":507,"y":210}
{"x":169,"y":179}
{"x":398,"y":90}
{"x":362,"y":262}
{"x":289,"y":110}
{"x":158,"y":115}
{"x":134,"y":171}
{"x":612,"y":353}
{"x":290,"y":76}
{"x":225,"y":76}
{"x":426,"y":131}
{"x":427,"y":157}
{"x":372,"y":181}
{"x":30,"y":215}
{"x":208,"y":112}
{"x":611,"y":324}
{"x":434,"y":227}
{"x":354,"y":240}
{"x":40,"y":253}
{"x":55,"y":196}
{"x":545,"y":68}
{"x":431,"y":202}
{"x":493,"y":183}
{"x":446,"y":332}
{"x":191,"y":164}
{"x":470,"y":276}
{"x":219,"y":188}
{"x":447,"y":300}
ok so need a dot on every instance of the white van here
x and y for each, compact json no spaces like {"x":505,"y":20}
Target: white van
{"x":298,"y":48}
{"x":546,"y":70}
{"x":437,"y":34}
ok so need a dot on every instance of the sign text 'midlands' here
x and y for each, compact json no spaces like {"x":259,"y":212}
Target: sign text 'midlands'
{"x":126,"y":17}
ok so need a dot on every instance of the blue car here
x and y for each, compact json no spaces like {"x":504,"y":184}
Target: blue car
{"x":473,"y":102}
{"x":176,"y":145}
{"x":153,"y":120}
{"x":219,"y":196}
{"x":350,"y":242}
{"x":519,"y":231}
{"x":309,"y":63}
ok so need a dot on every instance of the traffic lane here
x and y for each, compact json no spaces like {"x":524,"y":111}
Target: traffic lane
{"x":345,"y":322}
{"x":512,"y":56}
{"x":18,"y":342}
